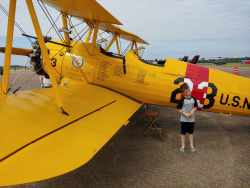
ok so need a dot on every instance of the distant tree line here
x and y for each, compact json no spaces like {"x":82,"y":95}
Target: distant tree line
{"x":202,"y":60}
{"x":228,"y":60}
{"x":238,"y":59}
{"x":16,"y":66}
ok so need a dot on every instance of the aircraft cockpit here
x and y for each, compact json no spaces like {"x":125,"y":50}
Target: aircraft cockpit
{"x":139,"y":52}
{"x":110,"y":54}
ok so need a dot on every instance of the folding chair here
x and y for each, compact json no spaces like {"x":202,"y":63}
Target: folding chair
{"x":153,"y":125}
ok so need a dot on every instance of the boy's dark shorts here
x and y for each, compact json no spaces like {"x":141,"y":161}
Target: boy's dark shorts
{"x":187,"y":127}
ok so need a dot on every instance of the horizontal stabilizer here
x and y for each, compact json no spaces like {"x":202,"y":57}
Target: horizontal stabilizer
{"x":38,"y":142}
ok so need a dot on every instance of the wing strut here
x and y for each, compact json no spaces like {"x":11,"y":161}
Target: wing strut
{"x":8,"y":49}
{"x":111,"y":42}
{"x":94,"y":38}
{"x":89,"y":33}
{"x":65,"y":25}
{"x":45,"y":53}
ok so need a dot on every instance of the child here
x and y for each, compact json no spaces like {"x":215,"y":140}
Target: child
{"x":186,"y":107}
{"x":45,"y":83}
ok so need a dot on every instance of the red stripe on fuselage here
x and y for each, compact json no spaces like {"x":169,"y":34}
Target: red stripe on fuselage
{"x":197,"y":75}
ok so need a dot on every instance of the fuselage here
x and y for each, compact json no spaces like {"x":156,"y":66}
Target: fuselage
{"x":214,"y":90}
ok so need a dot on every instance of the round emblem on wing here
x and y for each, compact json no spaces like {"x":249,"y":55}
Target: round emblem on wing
{"x":77,"y":62}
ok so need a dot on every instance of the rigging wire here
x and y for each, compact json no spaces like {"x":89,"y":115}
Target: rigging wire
{"x":80,"y":38}
{"x":72,"y":46}
{"x":56,"y":29}
{"x":58,"y":33}
{"x":52,"y":20}
{"x":85,"y":77}
{"x":18,"y":75}
{"x":196,"y":51}
{"x":73,"y":57}
{"x":112,"y":36}
{"x":34,"y":51}
{"x":16,"y":24}
{"x":54,"y":23}
{"x":76,"y":24}
{"x":99,"y":34}
{"x":80,"y":32}
{"x":102,"y":32}
{"x":27,"y":80}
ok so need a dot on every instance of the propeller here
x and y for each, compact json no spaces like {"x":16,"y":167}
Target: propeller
{"x":18,"y":51}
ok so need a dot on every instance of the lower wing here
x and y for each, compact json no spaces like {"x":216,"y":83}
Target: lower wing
{"x":38,"y":142}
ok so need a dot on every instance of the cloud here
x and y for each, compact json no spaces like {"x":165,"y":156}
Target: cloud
{"x":220,"y":26}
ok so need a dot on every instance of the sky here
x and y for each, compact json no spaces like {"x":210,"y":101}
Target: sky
{"x":209,"y":28}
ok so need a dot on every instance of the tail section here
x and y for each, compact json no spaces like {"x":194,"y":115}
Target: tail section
{"x":185,"y":58}
{"x":195,"y":59}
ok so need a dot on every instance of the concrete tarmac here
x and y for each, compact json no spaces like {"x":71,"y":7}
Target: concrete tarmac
{"x":222,"y":158}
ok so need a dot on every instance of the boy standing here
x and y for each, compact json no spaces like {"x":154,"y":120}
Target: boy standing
{"x":45,"y":83}
{"x":186,"y":107}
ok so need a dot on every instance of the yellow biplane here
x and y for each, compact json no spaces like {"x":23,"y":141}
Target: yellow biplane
{"x":99,"y":91}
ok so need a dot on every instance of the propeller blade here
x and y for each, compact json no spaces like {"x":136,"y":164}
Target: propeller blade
{"x":18,"y":51}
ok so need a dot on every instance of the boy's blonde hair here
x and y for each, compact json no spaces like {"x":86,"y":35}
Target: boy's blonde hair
{"x":184,"y":87}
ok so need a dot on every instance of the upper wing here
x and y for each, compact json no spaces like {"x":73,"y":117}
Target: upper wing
{"x":38,"y":142}
{"x":123,"y":33}
{"x":83,"y":9}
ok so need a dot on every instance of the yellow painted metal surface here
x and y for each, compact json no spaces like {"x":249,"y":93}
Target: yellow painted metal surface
{"x":44,"y":52}
{"x":132,"y":46}
{"x":117,"y":46}
{"x":65,"y":25}
{"x":84,"y":73}
{"x":82,"y":10}
{"x":135,"y":43}
{"x":111,"y":42}
{"x":69,"y":81}
{"x":94,"y":38}
{"x":88,"y":35}
{"x":56,"y":62}
{"x":18,"y":51}
{"x":63,"y":143}
{"x":7,"y":57}
{"x":233,"y":93}
{"x":123,"y":33}
{"x":126,"y":123}
{"x":158,"y":84}
{"x":142,"y":81}
{"x":174,"y":67}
